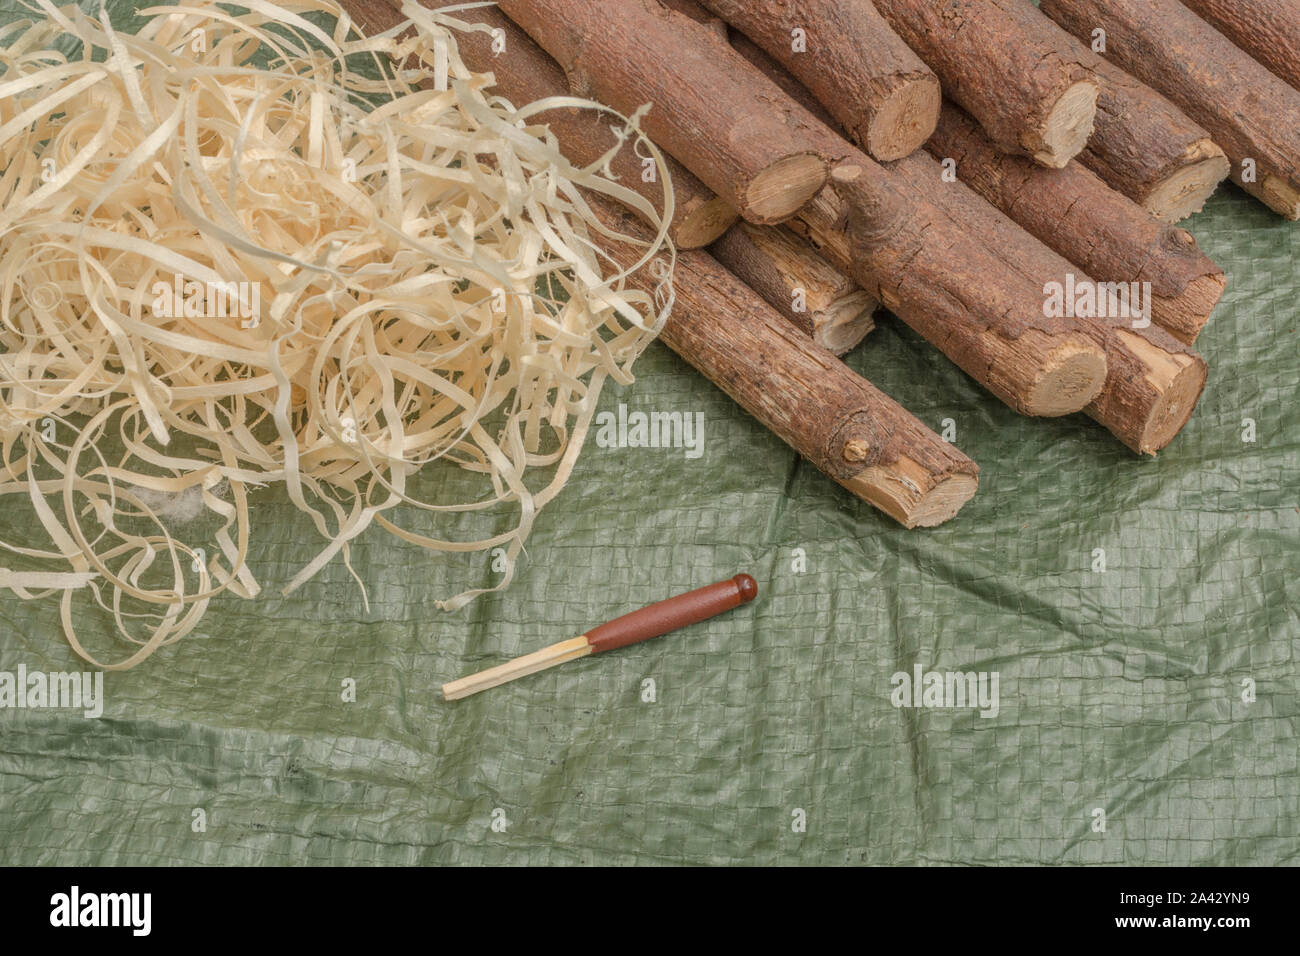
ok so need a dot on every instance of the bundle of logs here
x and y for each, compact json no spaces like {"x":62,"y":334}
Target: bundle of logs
{"x":950,"y":160}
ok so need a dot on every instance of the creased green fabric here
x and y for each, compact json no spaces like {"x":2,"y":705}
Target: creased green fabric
{"x":1119,"y":690}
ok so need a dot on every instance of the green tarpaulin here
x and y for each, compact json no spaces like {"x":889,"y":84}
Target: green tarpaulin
{"x":1125,"y":730}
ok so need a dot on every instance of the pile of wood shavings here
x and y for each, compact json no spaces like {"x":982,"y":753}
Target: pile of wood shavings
{"x":218,"y":275}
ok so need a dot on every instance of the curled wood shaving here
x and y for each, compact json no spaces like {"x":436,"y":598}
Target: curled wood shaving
{"x":223,"y":266}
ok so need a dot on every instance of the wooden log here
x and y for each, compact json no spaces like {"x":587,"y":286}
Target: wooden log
{"x":1269,"y":32}
{"x":877,"y":89}
{"x":840,"y":422}
{"x":1151,"y":390}
{"x":954,"y":290}
{"x":699,"y":14}
{"x":1251,"y":114}
{"x":845,"y":426}
{"x":1075,"y":213}
{"x":525,"y":73}
{"x":759,"y":58}
{"x":717,"y":118}
{"x":1152,"y":382}
{"x":1150,"y":150}
{"x":819,"y":299}
{"x":997,"y":59}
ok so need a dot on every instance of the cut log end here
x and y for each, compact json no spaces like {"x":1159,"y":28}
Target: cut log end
{"x":1072,"y":375}
{"x":1280,"y":196}
{"x":1174,"y":407}
{"x":1177,"y":379}
{"x":905,"y":119}
{"x":1185,"y":191}
{"x":782,"y":189}
{"x":841,"y":327}
{"x":911,"y":495}
{"x":704,"y":224}
{"x":1068,"y":125}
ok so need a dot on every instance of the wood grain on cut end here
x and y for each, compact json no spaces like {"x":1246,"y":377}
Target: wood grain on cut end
{"x":1178,"y":380}
{"x":908,"y":493}
{"x":526,"y":73}
{"x":854,"y":65}
{"x":703,"y":223}
{"x":1186,"y":189}
{"x":814,"y":402}
{"x":782,"y":189}
{"x":796,"y":281}
{"x":1070,"y":378}
{"x":845,"y":322}
{"x":1072,"y":211}
{"x":1281,"y":195}
{"x":1022,"y":79}
{"x":1147,"y":148}
{"x":1068,"y":125}
{"x":905,"y":119}
{"x":1152,"y":389}
{"x":727,"y":124}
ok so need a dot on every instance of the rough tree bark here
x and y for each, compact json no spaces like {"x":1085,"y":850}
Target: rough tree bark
{"x":1150,"y":150}
{"x":525,"y":73}
{"x":958,"y":294}
{"x":1153,"y":381}
{"x":1270,"y":32}
{"x":730,"y":128}
{"x":1075,"y":213}
{"x":797,"y":282}
{"x":840,"y":422}
{"x":986,"y":322}
{"x":878,"y":90}
{"x":1252,"y":114}
{"x":999,"y":60}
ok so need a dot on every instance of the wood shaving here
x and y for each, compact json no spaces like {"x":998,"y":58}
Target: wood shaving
{"x":223,"y":267}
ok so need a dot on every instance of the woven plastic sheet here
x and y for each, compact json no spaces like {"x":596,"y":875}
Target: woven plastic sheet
{"x":1125,"y":730}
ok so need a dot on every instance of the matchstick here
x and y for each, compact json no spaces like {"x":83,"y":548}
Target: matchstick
{"x":651,"y":621}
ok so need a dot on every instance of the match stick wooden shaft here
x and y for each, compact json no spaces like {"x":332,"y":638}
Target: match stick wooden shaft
{"x":650,"y":621}
{"x":569,"y":650}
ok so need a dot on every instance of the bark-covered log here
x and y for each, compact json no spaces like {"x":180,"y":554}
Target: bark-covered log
{"x":1251,"y":113}
{"x":954,"y":291}
{"x":756,"y":56}
{"x":840,"y":422}
{"x":1268,"y":31}
{"x":957,"y":278}
{"x":799,"y":283}
{"x":1075,"y":213}
{"x":1002,"y":62}
{"x":878,"y":90}
{"x":1150,"y":150}
{"x":728,"y":126}
{"x":526,"y":73}
{"x":1153,"y":381}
